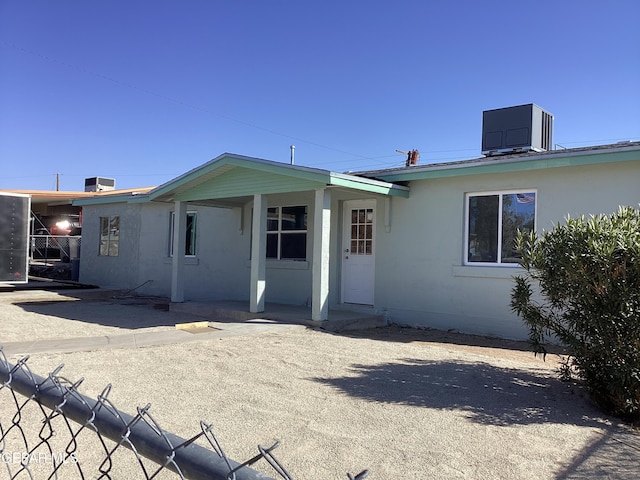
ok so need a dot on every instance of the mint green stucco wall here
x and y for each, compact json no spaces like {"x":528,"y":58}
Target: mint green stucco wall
{"x":287,"y":282}
{"x":116,"y":272}
{"x":216,"y":272}
{"x":219,"y":271}
{"x":420,"y":276}
{"x":421,"y":280}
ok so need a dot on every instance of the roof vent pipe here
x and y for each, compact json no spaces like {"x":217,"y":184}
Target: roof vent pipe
{"x":293,"y":148}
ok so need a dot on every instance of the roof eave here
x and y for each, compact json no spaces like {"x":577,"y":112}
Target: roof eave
{"x":167,"y":191}
{"x":545,"y":160}
{"x":369,"y":185}
{"x":107,"y":199}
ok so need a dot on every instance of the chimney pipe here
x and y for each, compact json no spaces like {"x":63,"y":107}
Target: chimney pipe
{"x":293,"y":148}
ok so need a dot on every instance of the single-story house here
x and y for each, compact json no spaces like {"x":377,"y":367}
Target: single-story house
{"x":424,"y":245}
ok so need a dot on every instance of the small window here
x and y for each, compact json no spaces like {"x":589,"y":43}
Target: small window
{"x":190,"y":240}
{"x":287,"y":233}
{"x":361,"y":231}
{"x":493,"y":222}
{"x":109,"y":236}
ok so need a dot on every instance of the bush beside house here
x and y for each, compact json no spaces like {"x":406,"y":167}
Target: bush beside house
{"x":588,"y":275}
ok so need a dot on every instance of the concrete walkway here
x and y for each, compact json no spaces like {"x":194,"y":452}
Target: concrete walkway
{"x":82,"y":320}
{"x":340,"y":320}
{"x":145,"y":338}
{"x":215,"y":319}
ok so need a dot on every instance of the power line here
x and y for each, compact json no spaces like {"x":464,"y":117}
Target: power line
{"x":209,"y":111}
{"x":354,"y":157}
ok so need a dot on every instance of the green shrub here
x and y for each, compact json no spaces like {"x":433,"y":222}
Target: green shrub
{"x":582,"y":287}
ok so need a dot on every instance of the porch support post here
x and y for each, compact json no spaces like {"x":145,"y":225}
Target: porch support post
{"x":258,"y":253}
{"x":177,"y":263}
{"x":320,"y":266}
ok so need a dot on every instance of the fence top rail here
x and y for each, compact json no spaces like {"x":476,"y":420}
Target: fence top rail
{"x":139,"y":433}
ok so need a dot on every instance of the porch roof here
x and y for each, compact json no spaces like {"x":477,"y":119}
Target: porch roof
{"x":231,"y":180}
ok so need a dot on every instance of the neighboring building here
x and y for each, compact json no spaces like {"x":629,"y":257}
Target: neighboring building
{"x":55,"y":226}
{"x":424,"y":245}
{"x":49,"y":204}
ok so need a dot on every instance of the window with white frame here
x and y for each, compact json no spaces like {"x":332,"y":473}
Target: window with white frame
{"x":190,"y":238}
{"x":287,"y":233}
{"x":109,"y":236}
{"x":493,"y":222}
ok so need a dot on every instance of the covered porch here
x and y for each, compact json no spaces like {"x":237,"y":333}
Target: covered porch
{"x":254,"y":187}
{"x":338,"y":320}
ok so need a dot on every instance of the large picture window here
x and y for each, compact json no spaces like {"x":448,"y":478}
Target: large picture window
{"x":109,"y":236}
{"x":287,"y":233}
{"x":493,"y":222}
{"x":190,"y":240}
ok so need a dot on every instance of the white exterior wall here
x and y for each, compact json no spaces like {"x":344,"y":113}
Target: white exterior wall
{"x":420,"y":276}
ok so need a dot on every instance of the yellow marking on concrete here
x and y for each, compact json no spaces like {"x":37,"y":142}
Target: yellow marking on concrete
{"x":192,"y":325}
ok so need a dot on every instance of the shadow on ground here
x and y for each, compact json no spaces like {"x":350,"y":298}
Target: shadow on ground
{"x":492,"y":395}
{"x":614,"y":454}
{"x":401,"y":334}
{"x":488,"y":394}
{"x":130,"y":313}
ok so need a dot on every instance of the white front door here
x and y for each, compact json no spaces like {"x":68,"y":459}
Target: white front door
{"x":358,"y":252}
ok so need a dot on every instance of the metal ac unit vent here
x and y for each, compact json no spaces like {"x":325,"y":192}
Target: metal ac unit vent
{"x":522,"y":128}
{"x":99,"y":184}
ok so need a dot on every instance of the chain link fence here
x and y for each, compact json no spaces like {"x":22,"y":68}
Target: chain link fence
{"x":55,"y":247}
{"x":56,"y":257}
{"x":49,"y":430}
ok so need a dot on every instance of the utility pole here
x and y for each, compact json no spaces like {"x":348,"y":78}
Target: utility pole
{"x":412,"y":157}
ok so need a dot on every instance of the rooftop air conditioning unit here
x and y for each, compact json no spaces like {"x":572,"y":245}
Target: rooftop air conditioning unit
{"x":518,"y":129}
{"x":99,"y":184}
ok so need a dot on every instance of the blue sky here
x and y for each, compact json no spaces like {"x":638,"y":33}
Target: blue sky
{"x":143,"y":91}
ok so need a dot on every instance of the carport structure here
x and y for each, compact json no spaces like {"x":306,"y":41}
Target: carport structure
{"x":234,"y":181}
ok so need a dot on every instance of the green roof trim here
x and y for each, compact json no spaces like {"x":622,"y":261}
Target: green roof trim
{"x":231,"y":175}
{"x":513,"y":163}
{"x":369,"y":185}
{"x":108,"y":199}
{"x":242,"y":181}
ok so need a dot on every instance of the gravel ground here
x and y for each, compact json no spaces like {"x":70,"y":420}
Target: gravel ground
{"x":402,"y":403}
